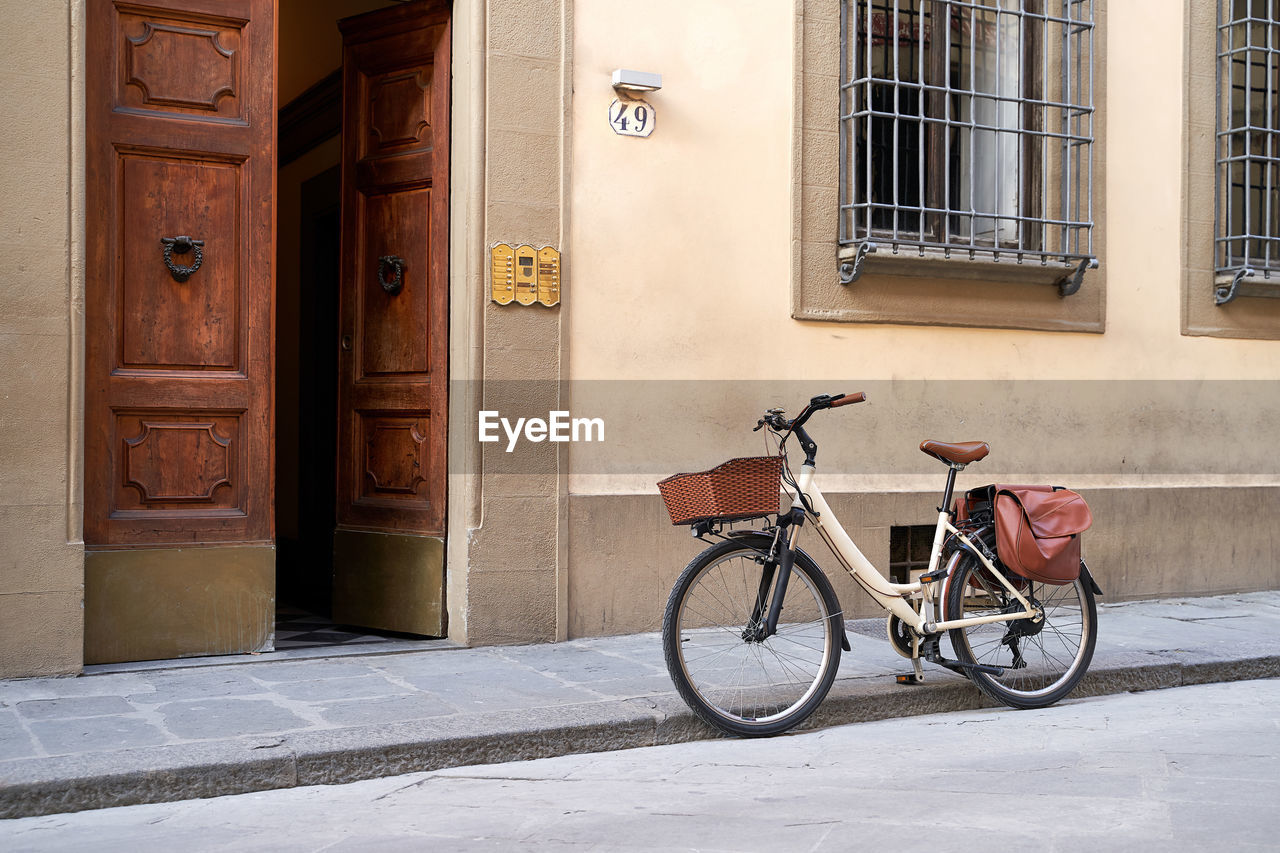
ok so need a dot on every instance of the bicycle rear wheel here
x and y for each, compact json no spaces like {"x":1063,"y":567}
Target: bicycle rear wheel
{"x":1042,"y":661}
{"x":729,"y":676}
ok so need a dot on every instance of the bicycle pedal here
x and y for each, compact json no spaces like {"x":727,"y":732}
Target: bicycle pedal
{"x":908,"y":678}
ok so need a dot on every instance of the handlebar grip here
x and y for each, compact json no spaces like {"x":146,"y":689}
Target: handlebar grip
{"x":856,"y":397}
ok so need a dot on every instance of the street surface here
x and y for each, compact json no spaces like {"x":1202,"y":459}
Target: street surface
{"x":1190,"y":768}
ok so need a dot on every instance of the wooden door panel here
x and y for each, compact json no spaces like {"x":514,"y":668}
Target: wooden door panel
{"x":180,"y":143}
{"x":394,"y":328}
{"x":189,"y":61}
{"x":171,"y":197}
{"x":398,"y":113}
{"x":174,"y":461}
{"x":397,"y":458}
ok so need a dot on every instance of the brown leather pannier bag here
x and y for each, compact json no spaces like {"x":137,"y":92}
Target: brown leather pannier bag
{"x":1038,"y":531}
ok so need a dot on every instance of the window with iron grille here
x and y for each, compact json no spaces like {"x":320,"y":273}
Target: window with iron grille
{"x":1247,"y":206}
{"x":966,"y":130}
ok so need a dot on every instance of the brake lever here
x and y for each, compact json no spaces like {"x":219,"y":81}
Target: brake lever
{"x":770,"y":420}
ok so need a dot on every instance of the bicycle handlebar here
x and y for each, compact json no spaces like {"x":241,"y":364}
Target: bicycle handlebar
{"x":775,"y":419}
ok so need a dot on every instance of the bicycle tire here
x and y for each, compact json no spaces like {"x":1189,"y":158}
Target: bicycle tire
{"x":1055,"y":655}
{"x":741,"y":686}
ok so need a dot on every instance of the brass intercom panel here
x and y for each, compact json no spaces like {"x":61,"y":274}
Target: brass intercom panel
{"x":524,"y":275}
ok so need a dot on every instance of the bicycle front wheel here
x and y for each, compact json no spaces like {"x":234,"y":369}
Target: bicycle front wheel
{"x":1042,"y":661}
{"x":729,"y":675}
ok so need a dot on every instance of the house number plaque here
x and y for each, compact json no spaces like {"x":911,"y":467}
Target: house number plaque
{"x":632,"y":117}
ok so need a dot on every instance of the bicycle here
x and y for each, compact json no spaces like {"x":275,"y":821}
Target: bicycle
{"x":753,"y":631}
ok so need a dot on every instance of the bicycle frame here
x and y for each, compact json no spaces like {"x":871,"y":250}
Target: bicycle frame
{"x":896,"y":597}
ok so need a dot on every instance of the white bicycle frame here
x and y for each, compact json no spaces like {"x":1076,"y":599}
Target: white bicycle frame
{"x":896,"y":597}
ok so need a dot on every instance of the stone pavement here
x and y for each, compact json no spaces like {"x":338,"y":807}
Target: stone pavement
{"x":157,"y":735}
{"x":1193,"y":768}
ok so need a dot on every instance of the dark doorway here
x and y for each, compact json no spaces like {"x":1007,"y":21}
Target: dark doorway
{"x":304,"y":576}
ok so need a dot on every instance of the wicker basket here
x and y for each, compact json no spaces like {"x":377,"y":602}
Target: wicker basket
{"x":732,"y":491}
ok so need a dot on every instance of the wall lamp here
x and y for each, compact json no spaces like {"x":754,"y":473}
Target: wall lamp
{"x":627,"y":81}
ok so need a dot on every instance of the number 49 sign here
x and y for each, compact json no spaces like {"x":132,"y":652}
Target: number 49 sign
{"x":631,"y":118}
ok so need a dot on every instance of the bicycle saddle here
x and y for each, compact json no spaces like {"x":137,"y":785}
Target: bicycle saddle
{"x":961,"y":453}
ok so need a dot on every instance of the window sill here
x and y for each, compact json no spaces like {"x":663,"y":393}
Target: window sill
{"x":939,"y":264}
{"x":1244,"y":319}
{"x":908,"y":289}
{"x":1263,"y":283}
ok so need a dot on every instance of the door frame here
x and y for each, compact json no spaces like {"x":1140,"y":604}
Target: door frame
{"x":467,"y":300}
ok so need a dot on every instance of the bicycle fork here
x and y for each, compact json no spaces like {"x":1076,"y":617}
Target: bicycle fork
{"x":777,"y":565}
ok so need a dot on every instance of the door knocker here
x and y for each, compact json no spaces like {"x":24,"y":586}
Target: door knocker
{"x":181,"y":245}
{"x":397,"y":279}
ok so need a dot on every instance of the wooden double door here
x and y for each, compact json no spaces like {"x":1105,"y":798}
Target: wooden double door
{"x":180,"y":309}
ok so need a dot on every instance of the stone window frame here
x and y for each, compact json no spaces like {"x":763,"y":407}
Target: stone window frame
{"x":904,"y":289}
{"x":1245,"y":316}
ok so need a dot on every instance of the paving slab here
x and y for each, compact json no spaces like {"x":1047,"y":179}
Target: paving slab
{"x":15,"y":741}
{"x":73,"y":706}
{"x":395,"y":709}
{"x":257,"y":722}
{"x":219,"y":717}
{"x":95,"y":734}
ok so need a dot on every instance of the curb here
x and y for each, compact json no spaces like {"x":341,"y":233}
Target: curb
{"x":41,"y":786}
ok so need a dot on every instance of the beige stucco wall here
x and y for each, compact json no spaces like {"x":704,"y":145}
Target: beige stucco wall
{"x":683,"y":240}
{"x":694,"y":222}
{"x":683,"y":262}
{"x":41,"y":310}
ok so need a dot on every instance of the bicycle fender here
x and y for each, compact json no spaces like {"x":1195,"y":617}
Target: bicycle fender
{"x":763,"y":542}
{"x":1087,"y":577}
{"x":958,"y":545}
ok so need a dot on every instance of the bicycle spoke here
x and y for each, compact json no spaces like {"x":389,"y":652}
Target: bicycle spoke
{"x":794,"y":679}
{"x":729,"y":609}
{"x":729,"y":595}
{"x":716,"y":654}
{"x":713,"y":625}
{"x":781,"y":656}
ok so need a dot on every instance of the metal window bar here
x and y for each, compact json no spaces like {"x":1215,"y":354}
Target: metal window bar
{"x":1247,"y":156}
{"x":966,"y":128}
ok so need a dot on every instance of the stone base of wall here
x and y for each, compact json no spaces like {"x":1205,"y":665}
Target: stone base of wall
{"x":624,"y":555}
{"x":43,"y":633}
